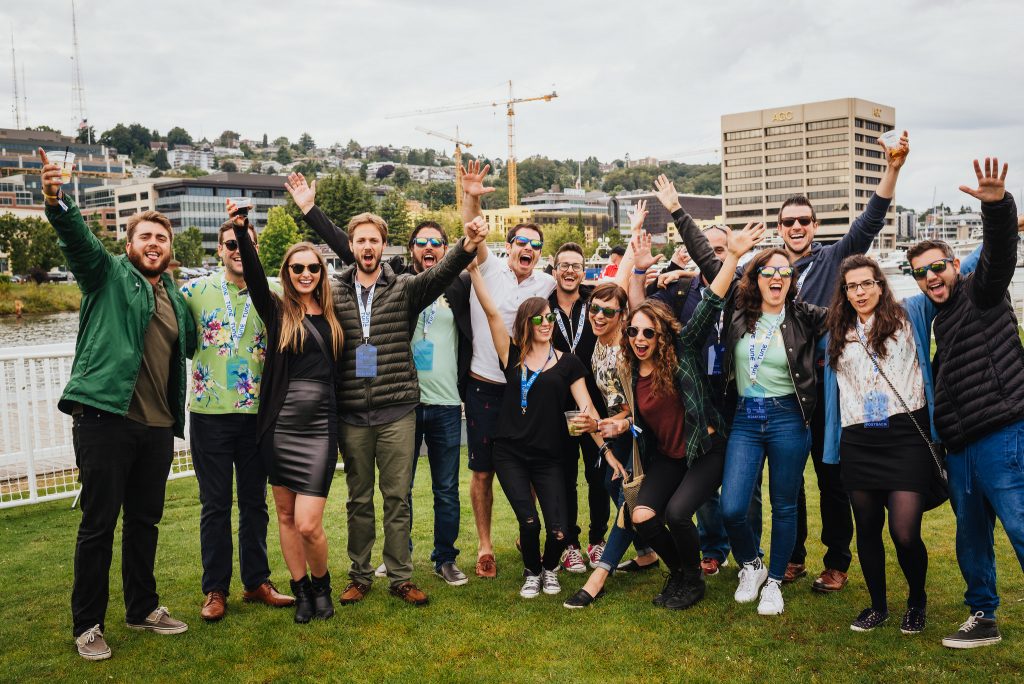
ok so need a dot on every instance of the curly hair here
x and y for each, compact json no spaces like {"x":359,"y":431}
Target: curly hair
{"x":748,"y":293}
{"x":889,"y":315}
{"x":664,"y":358}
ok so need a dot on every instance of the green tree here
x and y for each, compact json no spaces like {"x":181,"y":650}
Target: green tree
{"x":264,"y":140}
{"x":246,"y":151}
{"x":281,"y":233}
{"x":282,"y":141}
{"x":190,"y":171}
{"x":560,"y":233}
{"x":229,"y":166}
{"x":362,"y":171}
{"x":228,"y":139}
{"x":156,"y":173}
{"x":161,"y":160}
{"x":306,"y":142}
{"x":43,"y":127}
{"x":132,"y":140}
{"x":86,"y":135}
{"x":439,"y":194}
{"x":340,"y":196}
{"x":178,"y":136}
{"x":414,"y":157}
{"x":402,"y":177}
{"x":188,"y":247}
{"x":353,"y":149}
{"x":109,"y":242}
{"x":393,"y":210}
{"x":30,"y":242}
{"x":283,"y":156}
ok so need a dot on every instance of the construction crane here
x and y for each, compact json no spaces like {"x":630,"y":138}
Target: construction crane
{"x":696,"y":153}
{"x":509,"y":104}
{"x":458,"y":160}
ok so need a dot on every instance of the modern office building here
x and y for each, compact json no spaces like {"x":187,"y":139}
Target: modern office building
{"x":19,"y":153}
{"x":906,"y":225}
{"x":824,"y":150}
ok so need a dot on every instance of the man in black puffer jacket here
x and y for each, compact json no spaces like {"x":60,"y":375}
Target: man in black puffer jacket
{"x":979,"y":396}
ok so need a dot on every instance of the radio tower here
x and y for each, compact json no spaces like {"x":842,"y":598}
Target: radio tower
{"x":77,"y":89}
{"x":15,"y":106}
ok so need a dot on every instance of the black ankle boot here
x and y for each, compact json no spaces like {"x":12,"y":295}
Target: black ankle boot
{"x":303,"y":591}
{"x":322,"y":596}
{"x":688,"y":591}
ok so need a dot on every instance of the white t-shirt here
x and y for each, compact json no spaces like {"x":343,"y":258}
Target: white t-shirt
{"x":508,"y":293}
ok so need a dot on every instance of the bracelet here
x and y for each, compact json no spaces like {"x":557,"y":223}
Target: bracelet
{"x":50,"y":196}
{"x":637,"y":271}
{"x":605,"y":448}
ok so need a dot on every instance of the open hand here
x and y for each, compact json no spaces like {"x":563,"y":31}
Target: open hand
{"x":666,"y":193}
{"x":638,"y":215}
{"x":473,"y":179}
{"x":681,"y":257}
{"x":991,"y":184}
{"x":666,"y":279}
{"x":642,"y":258}
{"x":303,"y":194}
{"x":741,"y":242}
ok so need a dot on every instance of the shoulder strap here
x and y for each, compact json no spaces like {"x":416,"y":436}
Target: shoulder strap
{"x":310,"y":328}
{"x":900,"y":398}
{"x":627,"y":389}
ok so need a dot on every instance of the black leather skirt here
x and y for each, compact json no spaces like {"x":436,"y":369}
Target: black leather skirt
{"x":304,"y":442}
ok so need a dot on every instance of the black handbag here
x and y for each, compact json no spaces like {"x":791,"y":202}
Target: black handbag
{"x":938,"y":486}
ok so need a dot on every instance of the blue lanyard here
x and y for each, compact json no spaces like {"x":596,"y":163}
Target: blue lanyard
{"x":861,"y":333}
{"x":364,"y":312}
{"x":579,"y":328}
{"x":755,"y":363}
{"x":427,"y":322}
{"x":236,"y":331}
{"x":525,"y":385}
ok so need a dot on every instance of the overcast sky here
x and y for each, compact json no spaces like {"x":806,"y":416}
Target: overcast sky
{"x":645,"y":78}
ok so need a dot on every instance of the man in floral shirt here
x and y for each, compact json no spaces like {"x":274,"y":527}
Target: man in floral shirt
{"x":223,"y":401}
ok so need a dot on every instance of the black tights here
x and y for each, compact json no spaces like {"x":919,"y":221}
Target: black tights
{"x":905,"y":512}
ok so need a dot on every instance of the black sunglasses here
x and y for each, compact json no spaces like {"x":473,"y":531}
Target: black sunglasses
{"x":648,"y":333}
{"x":935,"y":267}
{"x":595,"y":309}
{"x":804,"y":221}
{"x":232,"y":245}
{"x":297,"y":269}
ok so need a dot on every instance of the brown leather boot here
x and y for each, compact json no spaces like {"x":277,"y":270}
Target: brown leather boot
{"x":410,"y":593}
{"x":354,"y":593}
{"x":214,"y":607}
{"x":794,"y":571}
{"x":268,"y":594}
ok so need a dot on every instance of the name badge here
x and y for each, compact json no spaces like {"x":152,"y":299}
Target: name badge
{"x":757,"y":408}
{"x":715,"y":354}
{"x":366,"y":361}
{"x":423,"y":355}
{"x":876,"y":410}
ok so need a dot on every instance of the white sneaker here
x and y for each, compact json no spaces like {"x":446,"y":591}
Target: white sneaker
{"x":752,"y":576}
{"x":572,"y":560}
{"x":381,"y":571}
{"x":531,"y":587}
{"x":550,"y":580}
{"x":771,"y":599}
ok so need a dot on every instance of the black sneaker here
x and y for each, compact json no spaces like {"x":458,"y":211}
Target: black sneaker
{"x":977,"y":631}
{"x":632,"y":566}
{"x":581,"y":599}
{"x":913,"y":621}
{"x":689,"y":591}
{"x":868,"y":619}
{"x":672,"y":582}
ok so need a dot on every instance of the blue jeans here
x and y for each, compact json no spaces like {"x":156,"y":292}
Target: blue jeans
{"x":441,"y":427}
{"x":714,"y":540}
{"x":986,"y":481}
{"x":619,"y":539}
{"x":784,"y":437}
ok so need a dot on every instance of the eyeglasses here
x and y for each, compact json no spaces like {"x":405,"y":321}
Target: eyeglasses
{"x":523,"y":241}
{"x":538,"y":320}
{"x":297,"y":269}
{"x":935,"y":267}
{"x":423,"y":242}
{"x":867,"y":286}
{"x":804,"y":221}
{"x":608,"y":313}
{"x":575,"y":268}
{"x":648,"y":333}
{"x":772,"y":271}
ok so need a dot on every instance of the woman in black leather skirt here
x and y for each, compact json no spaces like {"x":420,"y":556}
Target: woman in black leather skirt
{"x":297,"y":414}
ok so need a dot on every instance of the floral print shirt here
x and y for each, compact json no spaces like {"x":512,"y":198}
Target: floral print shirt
{"x":604,"y":363}
{"x":225,"y":376}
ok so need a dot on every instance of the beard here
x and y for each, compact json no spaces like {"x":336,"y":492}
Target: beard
{"x":372,"y":268}
{"x":139,"y":262}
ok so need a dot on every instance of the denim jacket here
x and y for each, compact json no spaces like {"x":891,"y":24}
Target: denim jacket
{"x":920,"y":312}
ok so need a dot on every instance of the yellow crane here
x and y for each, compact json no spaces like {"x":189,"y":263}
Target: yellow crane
{"x":458,"y":160}
{"x":509,"y":104}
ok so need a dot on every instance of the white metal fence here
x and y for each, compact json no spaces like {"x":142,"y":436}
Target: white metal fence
{"x":37,"y":460}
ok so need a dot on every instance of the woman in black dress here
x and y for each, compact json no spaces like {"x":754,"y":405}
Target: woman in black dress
{"x":297,"y":415}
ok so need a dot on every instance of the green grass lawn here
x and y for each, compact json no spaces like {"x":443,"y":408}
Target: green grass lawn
{"x":484,"y":631}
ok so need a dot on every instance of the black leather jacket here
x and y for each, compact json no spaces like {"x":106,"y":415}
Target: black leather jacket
{"x":801,"y":330}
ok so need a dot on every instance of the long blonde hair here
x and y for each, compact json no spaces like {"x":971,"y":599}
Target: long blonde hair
{"x":293,"y":333}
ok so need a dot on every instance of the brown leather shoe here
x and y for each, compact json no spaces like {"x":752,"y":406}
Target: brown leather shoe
{"x":486,"y":567}
{"x":410,"y":593}
{"x":214,"y":607}
{"x":268,"y":594}
{"x":354,"y":593}
{"x":829,"y":581}
{"x":794,"y":571}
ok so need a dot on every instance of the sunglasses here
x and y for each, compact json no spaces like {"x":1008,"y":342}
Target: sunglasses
{"x":523,"y":241}
{"x":423,"y":242}
{"x":866,"y":285}
{"x":608,"y":313}
{"x":232,"y":245}
{"x":804,"y":221}
{"x":935,"y":267}
{"x":297,"y":269}
{"x":537,"y":320}
{"x":648,"y":333}
{"x":772,"y":271}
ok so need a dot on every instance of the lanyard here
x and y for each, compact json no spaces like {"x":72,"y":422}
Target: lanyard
{"x":579,"y":328}
{"x":803,"y":276}
{"x":755,"y":363}
{"x":427,"y":322}
{"x":862,"y":334}
{"x":525,"y":385}
{"x":364,"y":312}
{"x":229,"y":310}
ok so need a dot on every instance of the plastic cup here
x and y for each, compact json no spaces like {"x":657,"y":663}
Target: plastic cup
{"x":66,"y":161}
{"x":570,"y":416}
{"x":891,"y":140}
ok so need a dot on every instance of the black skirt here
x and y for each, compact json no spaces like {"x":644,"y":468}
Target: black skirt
{"x":895,"y":458}
{"x":304,"y":440}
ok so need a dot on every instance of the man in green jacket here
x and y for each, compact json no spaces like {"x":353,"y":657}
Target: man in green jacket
{"x":127,"y":397}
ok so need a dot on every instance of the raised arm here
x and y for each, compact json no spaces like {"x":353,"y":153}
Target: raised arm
{"x":696,"y":242}
{"x":431,"y":283}
{"x":473,"y":189}
{"x":625,"y":273}
{"x":640,"y":246}
{"x":999,"y":242}
{"x":499,"y":335}
{"x":255,"y":277}
{"x":304,"y":196}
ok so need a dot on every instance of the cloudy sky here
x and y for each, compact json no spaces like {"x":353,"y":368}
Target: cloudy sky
{"x":644,"y":78}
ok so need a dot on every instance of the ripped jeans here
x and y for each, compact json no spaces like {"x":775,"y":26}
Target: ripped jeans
{"x":518,"y":470}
